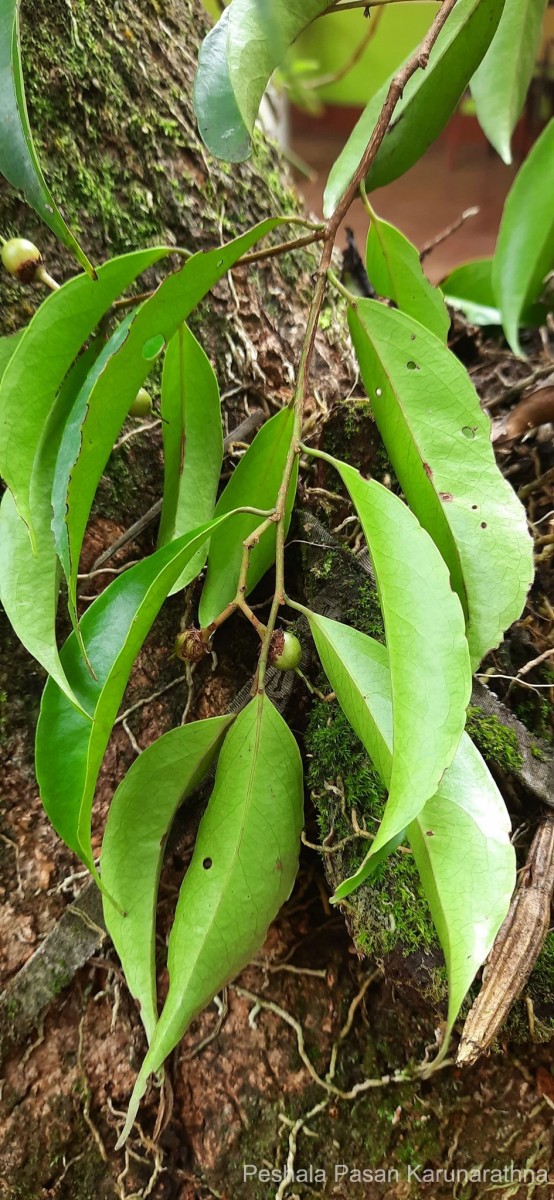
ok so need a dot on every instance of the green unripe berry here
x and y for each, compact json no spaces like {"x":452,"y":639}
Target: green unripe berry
{"x":285,"y":651}
{"x":142,"y":404}
{"x":21,"y":258}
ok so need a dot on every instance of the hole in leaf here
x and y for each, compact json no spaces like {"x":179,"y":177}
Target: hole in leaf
{"x":153,"y":347}
{"x":207,"y":864}
{"x":429,"y":833}
{"x":483,"y":524}
{"x":474,"y":507}
{"x":468,"y":431}
{"x":412,"y":366}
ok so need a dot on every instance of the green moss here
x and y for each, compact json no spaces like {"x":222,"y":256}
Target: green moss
{"x":497,"y":744}
{"x":391,"y":911}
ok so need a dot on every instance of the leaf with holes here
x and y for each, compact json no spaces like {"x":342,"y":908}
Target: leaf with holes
{"x":500,"y":84}
{"x":139,"y":821}
{"x":193,"y":443}
{"x":235,"y":64}
{"x":429,"y":100}
{"x":18,"y":158}
{"x":395,"y":270}
{"x":254,"y":483}
{"x":44,"y":354}
{"x":524,"y":252}
{"x":438,"y":440}
{"x":429,"y":658}
{"x":461,"y":837}
{"x":103,"y":404}
{"x":29,"y":583}
{"x":243,"y":869}
{"x":69,"y":746}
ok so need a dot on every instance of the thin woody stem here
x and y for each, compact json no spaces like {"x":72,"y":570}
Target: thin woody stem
{"x":418,"y":61}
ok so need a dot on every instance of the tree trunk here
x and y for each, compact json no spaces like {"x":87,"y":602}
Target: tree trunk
{"x":109,"y":89}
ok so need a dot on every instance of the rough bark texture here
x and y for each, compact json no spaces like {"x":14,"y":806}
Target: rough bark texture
{"x":109,"y":90}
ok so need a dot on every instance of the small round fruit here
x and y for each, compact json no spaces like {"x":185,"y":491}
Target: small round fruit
{"x":142,"y":404}
{"x":21,"y":258}
{"x":285,"y":651}
{"x":190,"y":646}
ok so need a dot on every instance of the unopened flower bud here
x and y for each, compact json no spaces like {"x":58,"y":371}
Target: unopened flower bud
{"x":189,"y":646}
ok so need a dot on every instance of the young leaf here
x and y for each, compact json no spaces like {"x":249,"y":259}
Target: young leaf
{"x":460,"y":839}
{"x":524,"y":252}
{"x":500,"y":84}
{"x":103,"y":404}
{"x":255,"y":482}
{"x":43,"y":356}
{"x":242,"y":871}
{"x":236,"y":62}
{"x":429,"y":99}
{"x":395,"y":270}
{"x":429,"y":659}
{"x":29,"y":583}
{"x":70,"y":746}
{"x":139,"y":820}
{"x":438,"y":439}
{"x":193,"y":443}
{"x":18,"y":158}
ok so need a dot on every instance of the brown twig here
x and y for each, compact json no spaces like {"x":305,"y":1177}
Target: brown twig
{"x":467,"y":214}
{"x":516,"y":948}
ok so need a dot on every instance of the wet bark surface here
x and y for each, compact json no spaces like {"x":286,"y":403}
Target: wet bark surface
{"x":109,"y":91}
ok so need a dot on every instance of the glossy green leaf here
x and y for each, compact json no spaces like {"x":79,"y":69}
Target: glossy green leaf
{"x":70,"y":746}
{"x":44,"y":355}
{"x":429,"y":99}
{"x":235,"y":64}
{"x":193,"y":443}
{"x":243,"y":869}
{"x":103,"y":404}
{"x":139,"y":821}
{"x":524,"y":252}
{"x":255,"y":483}
{"x":428,"y":651}
{"x":18,"y":158}
{"x":469,"y":288}
{"x":8,"y":345}
{"x":460,"y":839}
{"x":438,"y":440}
{"x":29,"y":582}
{"x":395,"y":270}
{"x":500,"y":84}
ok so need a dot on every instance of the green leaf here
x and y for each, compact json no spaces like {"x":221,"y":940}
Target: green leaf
{"x":429,"y":659}
{"x":43,"y":356}
{"x":524,"y":252}
{"x":460,"y":839}
{"x":242,"y":871}
{"x":438,"y":440}
{"x":395,"y":270}
{"x":469,"y":288}
{"x":429,"y":99}
{"x":8,"y":345}
{"x":255,"y":482}
{"x":235,"y":64}
{"x":18,"y":158}
{"x":103,"y":404}
{"x":500,"y":84}
{"x":70,"y":746}
{"x":29,"y":583}
{"x":139,"y":821}
{"x":193,"y":443}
